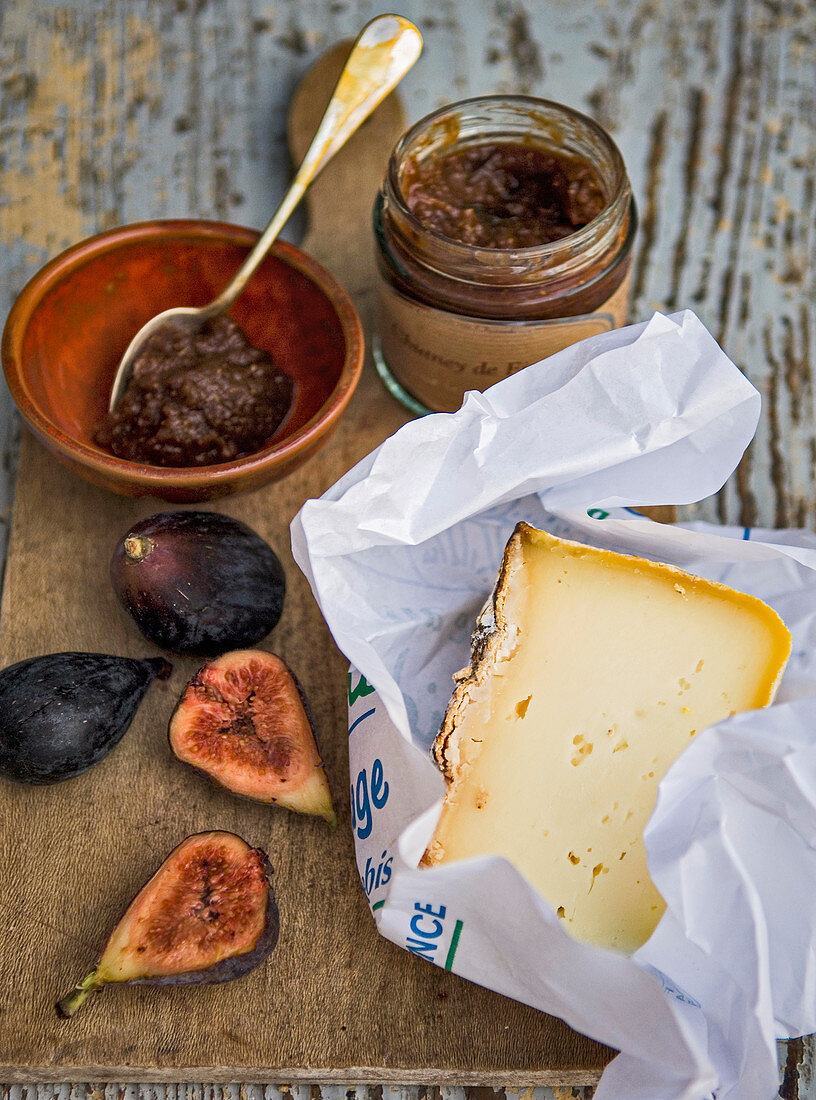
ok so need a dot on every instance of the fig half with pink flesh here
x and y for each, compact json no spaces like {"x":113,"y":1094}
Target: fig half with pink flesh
{"x":207,"y":915}
{"x":243,"y":720}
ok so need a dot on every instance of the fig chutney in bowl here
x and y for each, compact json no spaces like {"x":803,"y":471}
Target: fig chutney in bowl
{"x":72,"y":322}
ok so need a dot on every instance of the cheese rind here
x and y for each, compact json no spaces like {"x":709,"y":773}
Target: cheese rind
{"x":591,"y":671}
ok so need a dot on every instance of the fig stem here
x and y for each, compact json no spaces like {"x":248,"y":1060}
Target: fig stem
{"x":69,"y":1004}
{"x":137,"y":547}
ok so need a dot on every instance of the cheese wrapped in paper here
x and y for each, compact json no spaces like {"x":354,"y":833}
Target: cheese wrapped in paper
{"x":591,"y":671}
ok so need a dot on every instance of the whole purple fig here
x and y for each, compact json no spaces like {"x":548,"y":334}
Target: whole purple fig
{"x":198,"y":583}
{"x":63,"y":712}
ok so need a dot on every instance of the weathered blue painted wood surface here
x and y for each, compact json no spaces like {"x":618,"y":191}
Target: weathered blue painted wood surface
{"x":115,"y":112}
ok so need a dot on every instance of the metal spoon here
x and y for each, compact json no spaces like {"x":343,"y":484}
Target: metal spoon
{"x":385,"y":50}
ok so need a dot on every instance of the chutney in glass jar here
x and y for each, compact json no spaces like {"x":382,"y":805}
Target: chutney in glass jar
{"x":504,"y":233}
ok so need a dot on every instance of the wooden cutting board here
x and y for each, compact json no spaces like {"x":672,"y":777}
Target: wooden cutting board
{"x":335,"y":1003}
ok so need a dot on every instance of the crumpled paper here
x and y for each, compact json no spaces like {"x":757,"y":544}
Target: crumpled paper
{"x":401,"y":554}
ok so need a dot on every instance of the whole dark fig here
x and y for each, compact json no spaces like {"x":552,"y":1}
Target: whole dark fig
{"x":244,"y":721}
{"x":207,"y":915}
{"x":198,"y":583}
{"x":61,"y":713}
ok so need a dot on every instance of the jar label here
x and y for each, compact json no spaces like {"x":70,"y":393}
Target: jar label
{"x":438,"y":356}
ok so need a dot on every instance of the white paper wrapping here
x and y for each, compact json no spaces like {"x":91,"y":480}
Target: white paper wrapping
{"x":401,"y":554}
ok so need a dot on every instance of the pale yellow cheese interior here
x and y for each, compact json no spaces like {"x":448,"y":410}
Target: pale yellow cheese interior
{"x":609,"y":667}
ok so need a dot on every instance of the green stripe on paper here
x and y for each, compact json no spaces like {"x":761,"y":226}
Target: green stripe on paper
{"x":378,"y":905}
{"x":454,"y":943}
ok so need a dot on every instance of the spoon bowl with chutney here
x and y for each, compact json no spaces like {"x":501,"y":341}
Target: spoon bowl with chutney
{"x":291,"y":325}
{"x":71,"y":323}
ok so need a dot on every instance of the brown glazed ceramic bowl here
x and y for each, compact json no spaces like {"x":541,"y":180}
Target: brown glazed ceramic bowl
{"x":72,"y":322}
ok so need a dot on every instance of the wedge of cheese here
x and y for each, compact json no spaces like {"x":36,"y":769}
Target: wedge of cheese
{"x":591,"y":672}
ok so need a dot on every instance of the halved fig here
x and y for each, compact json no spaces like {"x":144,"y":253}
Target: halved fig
{"x":207,"y":915}
{"x":243,"y":720}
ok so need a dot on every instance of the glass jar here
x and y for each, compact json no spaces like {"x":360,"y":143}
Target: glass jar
{"x":455,"y":316}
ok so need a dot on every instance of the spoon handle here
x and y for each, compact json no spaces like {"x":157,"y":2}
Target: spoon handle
{"x":385,"y":50}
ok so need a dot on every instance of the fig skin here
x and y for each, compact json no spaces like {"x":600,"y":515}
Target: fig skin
{"x":61,"y":713}
{"x":159,"y":910}
{"x":244,"y":721}
{"x":198,"y":583}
